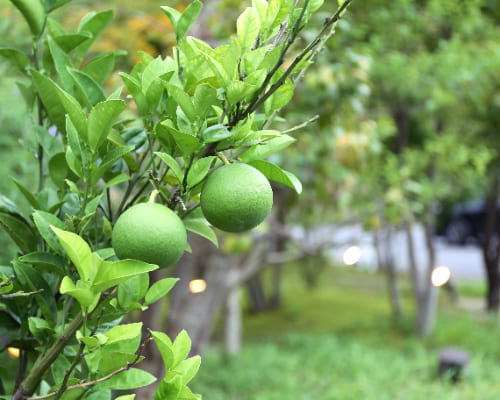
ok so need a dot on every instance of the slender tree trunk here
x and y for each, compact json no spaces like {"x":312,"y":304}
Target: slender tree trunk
{"x":424,"y":293}
{"x":385,"y":261}
{"x":256,"y":293}
{"x":491,"y":249}
{"x":233,"y":329}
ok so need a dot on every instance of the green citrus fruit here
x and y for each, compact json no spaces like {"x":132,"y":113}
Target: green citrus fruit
{"x":151,"y":233}
{"x":236,"y":198}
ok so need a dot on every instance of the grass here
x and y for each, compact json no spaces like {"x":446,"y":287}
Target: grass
{"x":338,"y":342}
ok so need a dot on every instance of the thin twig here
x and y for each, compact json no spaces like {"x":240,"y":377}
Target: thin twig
{"x":20,"y":294}
{"x":104,"y":378}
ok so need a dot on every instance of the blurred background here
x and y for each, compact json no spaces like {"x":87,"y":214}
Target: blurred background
{"x":338,"y":295}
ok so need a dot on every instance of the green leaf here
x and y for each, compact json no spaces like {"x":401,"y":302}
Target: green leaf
{"x":315,"y":5}
{"x":169,"y":389}
{"x":93,"y":23}
{"x":123,"y":332}
{"x":68,"y":42}
{"x":188,"y":368}
{"x":219,"y":71}
{"x":188,"y":18}
{"x":61,"y":62}
{"x":109,"y":159}
{"x":45,"y":261}
{"x":165,"y":347}
{"x":58,"y":103}
{"x":216,"y":133}
{"x":17,"y":58}
{"x":173,"y":15}
{"x":74,"y":142}
{"x":172,"y":163}
{"x":265,"y":150}
{"x":280,"y":98}
{"x":247,"y":28}
{"x":126,"y":397}
{"x":43,"y":221}
{"x":274,"y":173}
{"x":58,"y":169}
{"x":101,"y":118}
{"x":84,"y":295}
{"x":26,"y":193}
{"x":120,"y":178}
{"x":238,"y":91}
{"x":40,"y":328}
{"x":113,"y":361}
{"x":77,"y":250}
{"x":31,"y":281}
{"x":134,"y":87}
{"x":205,"y":96}
{"x":187,"y":143}
{"x":199,"y":170}
{"x":51,"y":5}
{"x":112,"y":273}
{"x":201,"y":227}
{"x":130,"y":379}
{"x":133,"y":290}
{"x":34,"y":14}
{"x":99,"y":68}
{"x":159,"y":289}
{"x":182,"y":99}
{"x":181,"y":347}
{"x":89,"y":92}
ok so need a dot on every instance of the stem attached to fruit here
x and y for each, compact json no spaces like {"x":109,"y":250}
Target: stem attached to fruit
{"x":152,"y":196}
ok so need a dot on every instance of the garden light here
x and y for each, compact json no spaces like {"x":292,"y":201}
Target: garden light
{"x":440,"y":275}
{"x":197,"y":286}
{"x":352,"y":255}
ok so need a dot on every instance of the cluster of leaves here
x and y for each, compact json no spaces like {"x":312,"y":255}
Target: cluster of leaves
{"x":65,"y":294}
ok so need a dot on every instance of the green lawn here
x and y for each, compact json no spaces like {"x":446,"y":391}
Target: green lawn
{"x":337,"y":341}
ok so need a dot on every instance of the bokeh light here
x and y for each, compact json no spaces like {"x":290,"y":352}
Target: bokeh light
{"x":440,"y":275}
{"x":197,"y":286}
{"x":13,"y":352}
{"x":352,"y":255}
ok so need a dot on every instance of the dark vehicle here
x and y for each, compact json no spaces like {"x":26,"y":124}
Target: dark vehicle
{"x":467,"y":223}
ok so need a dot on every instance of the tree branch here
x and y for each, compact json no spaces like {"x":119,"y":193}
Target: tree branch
{"x":104,"y":378}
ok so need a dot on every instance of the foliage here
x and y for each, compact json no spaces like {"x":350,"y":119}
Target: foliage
{"x":98,"y":151}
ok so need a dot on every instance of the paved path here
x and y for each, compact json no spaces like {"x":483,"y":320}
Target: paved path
{"x":465,"y":262}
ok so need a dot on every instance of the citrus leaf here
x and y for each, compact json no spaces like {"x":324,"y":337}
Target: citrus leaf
{"x":188,"y":18}
{"x":130,"y":379}
{"x":201,"y":227}
{"x":34,"y":14}
{"x":199,"y":170}
{"x":112,"y":273}
{"x":274,"y":173}
{"x":43,"y":221}
{"x":101,"y":118}
{"x":45,"y":261}
{"x":17,"y":58}
{"x":172,"y":163}
{"x":268,"y":148}
{"x":77,"y":250}
{"x":165,"y":347}
{"x":247,"y":28}
{"x":159,"y":289}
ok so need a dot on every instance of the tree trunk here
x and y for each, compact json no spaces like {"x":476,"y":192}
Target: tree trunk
{"x":233,"y":327}
{"x":256,"y":293}
{"x":491,"y":249}
{"x":385,"y":261}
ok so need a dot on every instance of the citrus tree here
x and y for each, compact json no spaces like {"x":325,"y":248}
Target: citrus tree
{"x":122,"y":174}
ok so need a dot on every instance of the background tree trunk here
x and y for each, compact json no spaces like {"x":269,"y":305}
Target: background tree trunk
{"x":491,"y":249}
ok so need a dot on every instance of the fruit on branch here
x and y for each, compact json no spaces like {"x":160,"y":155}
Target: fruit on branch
{"x":236,"y":198}
{"x":150,"y":232}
